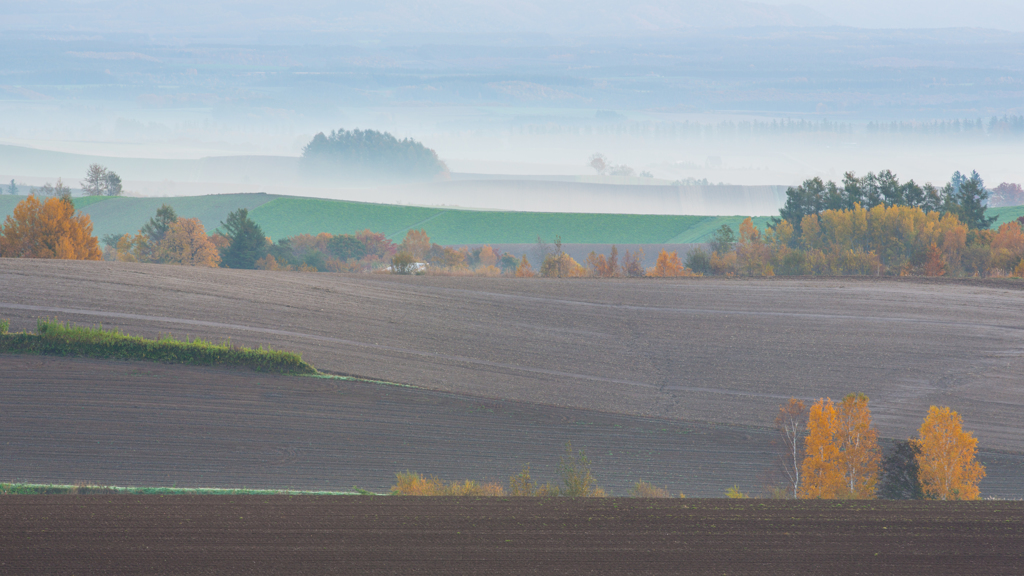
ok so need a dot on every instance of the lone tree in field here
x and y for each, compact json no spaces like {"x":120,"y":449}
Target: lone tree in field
{"x":791,"y":421}
{"x":248,"y":243}
{"x":49,"y":229}
{"x":947,"y":459}
{"x":842,"y":457}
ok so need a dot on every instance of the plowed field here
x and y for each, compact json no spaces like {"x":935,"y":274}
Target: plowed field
{"x":366,"y":535}
{"x":692,"y":351}
{"x":144,"y":424}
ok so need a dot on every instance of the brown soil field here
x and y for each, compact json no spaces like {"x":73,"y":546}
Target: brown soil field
{"x":715,"y":351}
{"x":368,"y":535}
{"x":73,"y":420}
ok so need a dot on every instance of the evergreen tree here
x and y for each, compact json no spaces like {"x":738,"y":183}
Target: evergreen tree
{"x":967,"y":198}
{"x":899,"y":473}
{"x":248,"y":243}
{"x":157,"y":226}
{"x":13,"y":188}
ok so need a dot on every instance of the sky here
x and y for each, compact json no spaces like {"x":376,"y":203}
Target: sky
{"x":997,"y":14}
{"x":571,"y":16}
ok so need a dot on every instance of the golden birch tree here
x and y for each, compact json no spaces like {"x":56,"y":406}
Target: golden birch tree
{"x":947,"y":465}
{"x":842,"y":458}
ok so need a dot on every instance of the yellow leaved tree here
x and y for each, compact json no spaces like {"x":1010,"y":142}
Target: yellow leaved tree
{"x":842,"y":458}
{"x":669,"y":266}
{"x":947,"y":467}
{"x":49,"y":229}
{"x":186,"y":243}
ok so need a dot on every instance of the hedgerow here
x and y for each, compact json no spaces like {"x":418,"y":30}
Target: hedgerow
{"x":63,"y":339}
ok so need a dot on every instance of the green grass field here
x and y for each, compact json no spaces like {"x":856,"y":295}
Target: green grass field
{"x":34,"y":489}
{"x":284,"y":216}
{"x":56,"y":338}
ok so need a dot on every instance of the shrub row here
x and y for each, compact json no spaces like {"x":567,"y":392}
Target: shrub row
{"x":57,"y":338}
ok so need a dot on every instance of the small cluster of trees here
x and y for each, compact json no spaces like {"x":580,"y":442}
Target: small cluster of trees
{"x":839,"y":455}
{"x":369,"y":154}
{"x":884,"y":240}
{"x":166,"y":239}
{"x":48,"y":228}
{"x":485,"y":261}
{"x":101,"y":182}
{"x":359,"y":252}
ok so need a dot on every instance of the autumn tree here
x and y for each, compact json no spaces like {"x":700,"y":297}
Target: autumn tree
{"x":186,"y":244}
{"x":487,"y":256}
{"x":403,"y":263}
{"x":790,"y":422}
{"x":948,"y":468}
{"x":669,"y":266}
{"x":633,"y":263}
{"x":49,"y":229}
{"x":524,"y":270}
{"x":841,"y":450}
{"x":138,"y":248}
{"x":248,"y":243}
{"x":416,"y":243}
{"x":561,"y":265}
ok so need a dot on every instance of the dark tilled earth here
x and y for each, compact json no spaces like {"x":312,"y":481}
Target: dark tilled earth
{"x":715,"y":352}
{"x":74,"y":420}
{"x":374,"y":535}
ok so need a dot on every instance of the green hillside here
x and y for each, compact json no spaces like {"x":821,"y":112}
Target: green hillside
{"x":284,"y":216}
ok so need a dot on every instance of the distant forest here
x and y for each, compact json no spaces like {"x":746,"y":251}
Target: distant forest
{"x":370,"y":155}
{"x":994,"y":127}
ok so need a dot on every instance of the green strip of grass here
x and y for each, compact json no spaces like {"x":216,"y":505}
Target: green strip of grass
{"x":57,"y":338}
{"x":37,"y":489}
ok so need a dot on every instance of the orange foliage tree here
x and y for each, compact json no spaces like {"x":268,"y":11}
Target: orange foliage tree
{"x":669,"y":266}
{"x":416,"y":243}
{"x":947,"y":467}
{"x":49,"y":229}
{"x":603,"y":267}
{"x":524,"y":270}
{"x":488,"y":257}
{"x":842,"y":457}
{"x":186,"y":243}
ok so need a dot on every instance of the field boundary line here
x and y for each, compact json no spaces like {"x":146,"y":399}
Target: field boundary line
{"x":393,"y":349}
{"x":420,"y":223}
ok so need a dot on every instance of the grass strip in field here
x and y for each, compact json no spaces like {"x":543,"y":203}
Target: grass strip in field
{"x":20,"y":488}
{"x":59,"y":339}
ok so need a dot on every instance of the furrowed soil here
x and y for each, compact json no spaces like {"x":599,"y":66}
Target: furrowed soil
{"x":706,"y":354}
{"x":373,"y":535}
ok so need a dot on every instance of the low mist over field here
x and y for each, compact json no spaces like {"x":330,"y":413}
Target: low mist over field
{"x":203,"y":97}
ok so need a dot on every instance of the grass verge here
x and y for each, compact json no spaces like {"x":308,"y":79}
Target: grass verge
{"x":38,"y":489}
{"x":59,"y":339}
